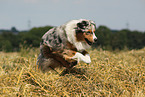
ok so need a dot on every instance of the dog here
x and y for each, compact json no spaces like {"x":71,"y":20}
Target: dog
{"x":66,"y":45}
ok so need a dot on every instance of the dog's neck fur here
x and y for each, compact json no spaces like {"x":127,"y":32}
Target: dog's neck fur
{"x":71,"y":36}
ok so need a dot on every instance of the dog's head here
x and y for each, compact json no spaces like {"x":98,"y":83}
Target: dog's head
{"x":85,"y":31}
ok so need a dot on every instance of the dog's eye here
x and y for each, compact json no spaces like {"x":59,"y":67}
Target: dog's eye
{"x":88,"y":32}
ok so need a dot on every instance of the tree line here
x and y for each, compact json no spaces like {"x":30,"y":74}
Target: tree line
{"x":107,"y":39}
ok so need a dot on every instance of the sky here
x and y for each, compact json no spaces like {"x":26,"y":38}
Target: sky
{"x":115,"y":14}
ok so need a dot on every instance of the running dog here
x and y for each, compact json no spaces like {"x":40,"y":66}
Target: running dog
{"x":66,"y":45}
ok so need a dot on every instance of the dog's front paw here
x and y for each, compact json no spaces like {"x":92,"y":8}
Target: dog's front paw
{"x":81,"y":57}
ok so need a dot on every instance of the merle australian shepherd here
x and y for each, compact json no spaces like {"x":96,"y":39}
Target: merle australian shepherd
{"x":66,"y":45}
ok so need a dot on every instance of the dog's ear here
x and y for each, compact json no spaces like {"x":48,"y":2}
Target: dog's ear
{"x":85,"y":23}
{"x":79,"y":25}
{"x":82,"y":24}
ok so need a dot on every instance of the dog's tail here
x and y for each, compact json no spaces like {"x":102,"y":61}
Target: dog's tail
{"x":38,"y":59}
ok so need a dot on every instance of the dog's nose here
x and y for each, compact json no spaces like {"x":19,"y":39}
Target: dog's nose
{"x":95,"y":40}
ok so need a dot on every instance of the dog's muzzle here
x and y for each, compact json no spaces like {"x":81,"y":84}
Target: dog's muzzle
{"x":95,"y":40}
{"x":94,"y":37}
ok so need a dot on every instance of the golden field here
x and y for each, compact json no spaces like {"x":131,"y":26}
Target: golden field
{"x":111,"y":74}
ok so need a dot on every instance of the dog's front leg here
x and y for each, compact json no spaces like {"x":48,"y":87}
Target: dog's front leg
{"x":80,"y":57}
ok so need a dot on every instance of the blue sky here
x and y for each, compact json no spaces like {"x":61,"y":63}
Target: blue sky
{"x":115,"y":14}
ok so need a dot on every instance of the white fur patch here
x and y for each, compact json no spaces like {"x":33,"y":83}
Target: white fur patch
{"x":80,"y":57}
{"x":94,"y":36}
{"x":71,"y":35}
{"x":81,"y":45}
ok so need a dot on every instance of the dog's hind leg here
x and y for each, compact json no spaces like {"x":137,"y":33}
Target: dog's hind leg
{"x":47,"y":64}
{"x":48,"y":53}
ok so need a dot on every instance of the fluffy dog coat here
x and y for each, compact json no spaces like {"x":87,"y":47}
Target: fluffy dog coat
{"x":66,"y":45}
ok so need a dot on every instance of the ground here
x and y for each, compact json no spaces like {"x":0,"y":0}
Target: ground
{"x":119,"y":73}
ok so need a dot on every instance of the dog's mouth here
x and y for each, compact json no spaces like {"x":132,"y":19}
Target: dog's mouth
{"x":90,"y":43}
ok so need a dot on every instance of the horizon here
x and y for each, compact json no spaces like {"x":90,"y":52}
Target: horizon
{"x":54,"y":26}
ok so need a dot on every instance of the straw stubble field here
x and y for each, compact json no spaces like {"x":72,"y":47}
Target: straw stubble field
{"x":110,"y":74}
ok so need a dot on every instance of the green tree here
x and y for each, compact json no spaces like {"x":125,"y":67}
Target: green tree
{"x":6,"y":46}
{"x":8,"y":41}
{"x":104,"y":35}
{"x":135,"y":40}
{"x":33,"y":37}
{"x":119,"y":39}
